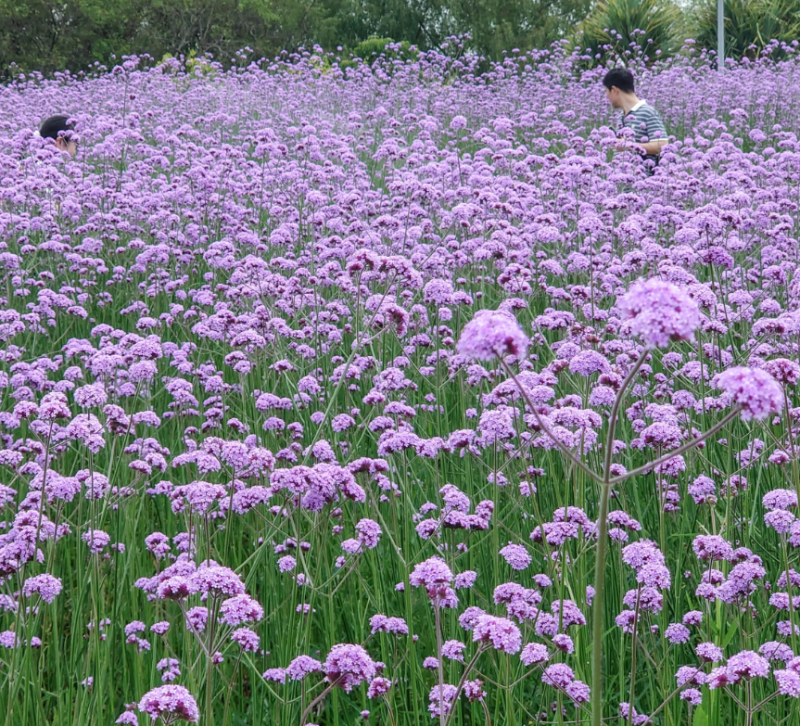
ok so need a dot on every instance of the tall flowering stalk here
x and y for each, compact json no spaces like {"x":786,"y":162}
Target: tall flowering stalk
{"x":659,"y":313}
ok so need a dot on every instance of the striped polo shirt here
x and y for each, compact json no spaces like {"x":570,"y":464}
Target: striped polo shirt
{"x":646,"y":124}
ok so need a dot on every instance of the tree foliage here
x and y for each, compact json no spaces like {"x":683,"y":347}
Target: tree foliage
{"x":749,"y":24}
{"x":655,"y":25}
{"x":49,"y":35}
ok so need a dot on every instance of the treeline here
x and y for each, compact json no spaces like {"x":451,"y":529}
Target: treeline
{"x":51,"y":35}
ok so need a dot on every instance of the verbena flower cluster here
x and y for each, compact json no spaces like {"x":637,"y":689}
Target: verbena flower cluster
{"x":391,"y":393}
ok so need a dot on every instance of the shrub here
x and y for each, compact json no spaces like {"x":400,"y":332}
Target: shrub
{"x":616,"y":27}
{"x":371,"y":49}
{"x":749,"y":25}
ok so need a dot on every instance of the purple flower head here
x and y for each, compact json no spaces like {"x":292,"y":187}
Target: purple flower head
{"x":693,"y":617}
{"x":563,"y":642}
{"x":91,"y":396}
{"x":302,"y":666}
{"x":465,"y":580}
{"x":703,"y":489}
{"x":379,"y":686}
{"x":516,"y":556}
{"x":88,"y":430}
{"x":677,"y":633}
{"x":240,"y":609}
{"x":96,"y":539}
{"x":369,"y":533}
{"x":197,"y":618}
{"x":287,"y":563}
{"x":711,"y":547}
{"x":754,"y":390}
{"x":177,"y":587}
{"x":380,"y":623}
{"x":780,"y":520}
{"x":158,"y":544}
{"x":275,"y":675}
{"x":217,"y":581}
{"x":473,"y":690}
{"x":709,"y":652}
{"x":774,"y":650}
{"x":54,"y":406}
{"x":441,"y":699}
{"x":641,"y":553}
{"x":500,"y":633}
{"x":588,"y":362}
{"x":780,"y":499}
{"x":492,"y":334}
{"x":690,"y":675}
{"x":659,"y":312}
{"x":434,"y":575}
{"x":747,"y":664}
{"x":534,"y":653}
{"x":655,"y":576}
{"x":578,"y":691}
{"x":170,"y":669}
{"x":131,"y":630}
{"x":349,"y":665}
{"x":170,"y":703}
{"x":453,"y":650}
{"x":469,"y":618}
{"x":568,"y":613}
{"x":46,"y":586}
{"x":788,"y":682}
{"x":246,"y":638}
{"x":784,"y":371}
{"x":630,"y":714}
{"x":558,"y":675}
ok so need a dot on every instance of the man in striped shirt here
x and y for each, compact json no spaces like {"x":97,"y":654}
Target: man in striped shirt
{"x":638,"y":115}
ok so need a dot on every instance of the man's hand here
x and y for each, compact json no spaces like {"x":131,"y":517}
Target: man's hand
{"x":651,"y":148}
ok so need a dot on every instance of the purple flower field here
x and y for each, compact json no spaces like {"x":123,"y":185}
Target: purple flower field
{"x":393,"y":395}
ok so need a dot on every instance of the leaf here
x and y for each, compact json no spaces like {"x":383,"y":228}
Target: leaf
{"x":700,"y":717}
{"x":729,"y":635}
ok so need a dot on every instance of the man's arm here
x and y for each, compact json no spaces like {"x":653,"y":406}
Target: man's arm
{"x":656,"y":133}
{"x":653,"y":148}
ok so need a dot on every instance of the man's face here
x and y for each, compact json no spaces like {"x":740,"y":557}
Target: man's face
{"x":613,"y":95}
{"x":68,"y":145}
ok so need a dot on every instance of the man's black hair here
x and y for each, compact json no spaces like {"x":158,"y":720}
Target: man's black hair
{"x":622,"y":78}
{"x":52,"y":126}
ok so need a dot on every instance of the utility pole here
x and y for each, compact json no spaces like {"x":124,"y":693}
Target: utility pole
{"x":721,"y":35}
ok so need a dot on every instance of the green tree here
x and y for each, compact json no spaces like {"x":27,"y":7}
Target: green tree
{"x":219,"y":27}
{"x":49,"y":35}
{"x":33,"y":33}
{"x":494,"y":25}
{"x":498,"y":25}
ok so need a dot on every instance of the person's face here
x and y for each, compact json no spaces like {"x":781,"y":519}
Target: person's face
{"x":71,"y":147}
{"x":613,"y":95}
